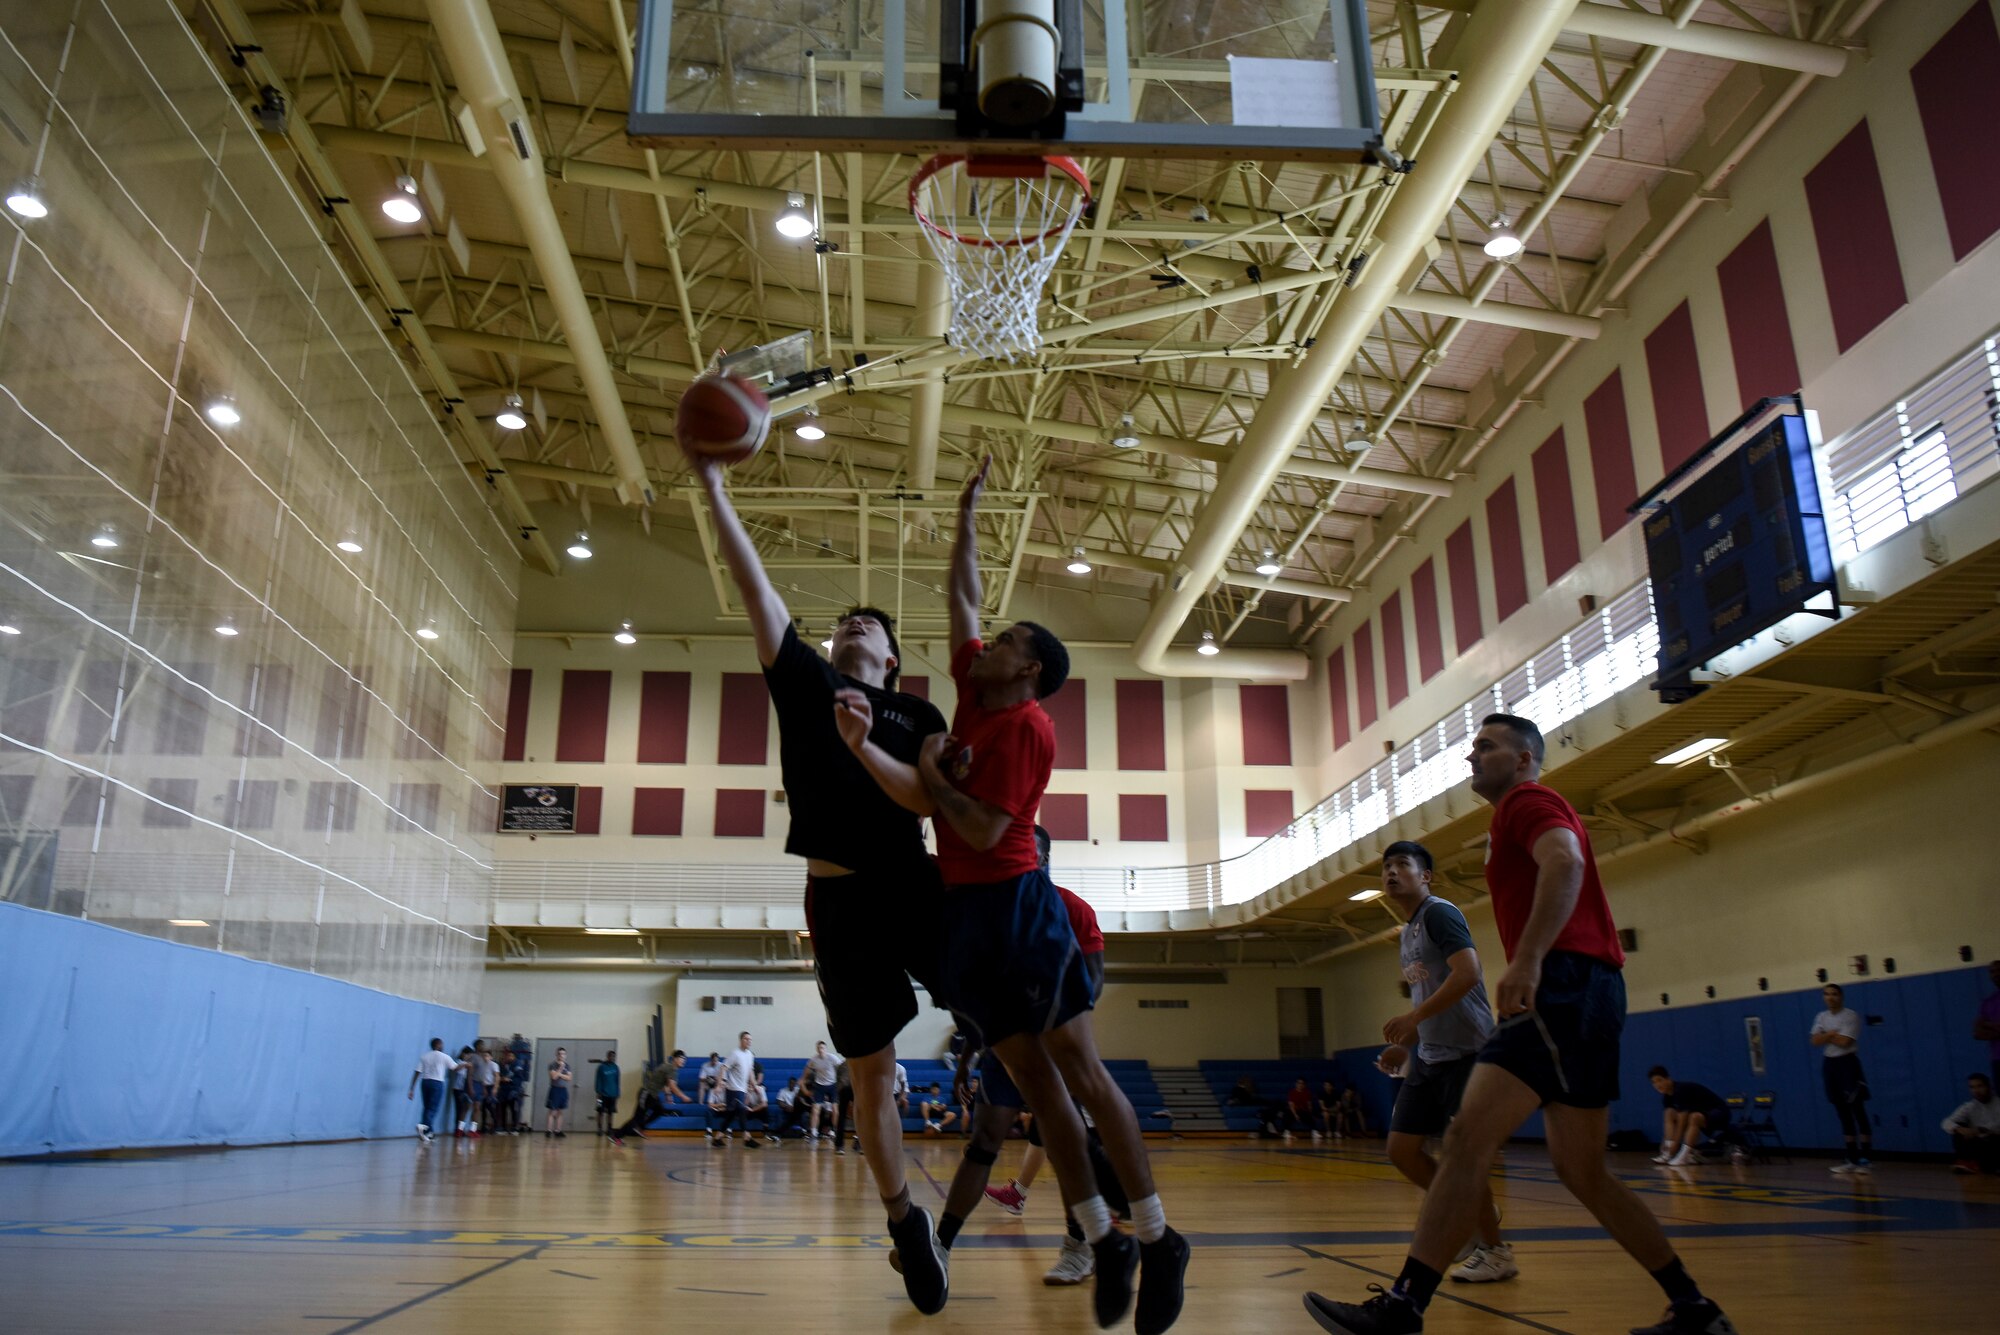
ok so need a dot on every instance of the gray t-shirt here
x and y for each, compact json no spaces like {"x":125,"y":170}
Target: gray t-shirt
{"x":1435,"y":933}
{"x":1848,"y":1022}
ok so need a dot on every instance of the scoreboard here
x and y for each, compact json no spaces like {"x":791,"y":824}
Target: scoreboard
{"x":1736,"y":541}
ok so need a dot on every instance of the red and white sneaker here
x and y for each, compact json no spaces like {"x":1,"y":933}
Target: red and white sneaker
{"x":1009,"y":1198}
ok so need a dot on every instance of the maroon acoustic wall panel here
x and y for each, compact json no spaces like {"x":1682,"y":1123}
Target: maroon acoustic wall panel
{"x":1510,"y":563}
{"x":1463,"y":563}
{"x":739,"y":813}
{"x":1956,"y":91}
{"x":1365,"y":703}
{"x":1857,"y":245}
{"x":1142,"y":725}
{"x":520,"y":685}
{"x":1337,"y":697}
{"x":1678,"y":404}
{"x":917,"y":686}
{"x":1430,"y":630}
{"x":1142,"y":818}
{"x":1760,"y":329}
{"x":1069,"y":710}
{"x":1267,"y":725}
{"x":1266,"y":811}
{"x":663,"y":717}
{"x":590,"y":810}
{"x":584,"y":717}
{"x":273,"y":687}
{"x":658,"y":811}
{"x":1555,"y":504}
{"x":1065,"y":816}
{"x":746,"y":722}
{"x":1611,"y":463}
{"x":1395,"y":650}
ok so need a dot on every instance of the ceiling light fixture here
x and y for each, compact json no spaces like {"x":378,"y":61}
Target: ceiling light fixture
{"x":26,"y":198}
{"x":350,"y":543}
{"x":611,"y":931}
{"x":1363,"y":896}
{"x":511,"y":416}
{"x":1694,"y":750}
{"x":403,"y":206}
{"x":1358,"y":441}
{"x":187,"y":922}
{"x":1208,"y":648}
{"x":105,"y":538}
{"x":226,"y":628}
{"x":1077,"y":565}
{"x":793,"y":221}
{"x":222,"y":411}
{"x":1269,"y":565}
{"x":580,"y":549}
{"x":809,"y":428}
{"x":9,"y":628}
{"x":625,"y":635}
{"x":1503,"y":242}
{"x":429,"y":630}
{"x":1126,"y":437}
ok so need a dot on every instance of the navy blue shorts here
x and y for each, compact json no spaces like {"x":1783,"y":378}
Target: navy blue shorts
{"x":1010,"y":961}
{"x":1566,"y":1048}
{"x":995,"y":1085}
{"x":871,"y":933}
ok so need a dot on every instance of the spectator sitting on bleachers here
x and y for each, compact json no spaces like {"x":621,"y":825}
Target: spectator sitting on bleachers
{"x":757,"y":1106}
{"x":715,"y":1109}
{"x":1349,"y":1120}
{"x":1245,"y":1094}
{"x":793,"y":1105}
{"x":1324,"y":1107}
{"x":936,"y":1110}
{"x":1974,"y":1127}
{"x":902,"y":1091}
{"x":1687,"y":1110}
{"x":711,"y":1076}
{"x":1299,"y":1110}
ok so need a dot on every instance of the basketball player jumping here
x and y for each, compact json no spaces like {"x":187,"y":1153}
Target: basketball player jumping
{"x":1010,"y":956}
{"x":872,"y":891}
{"x":1562,"y":1009}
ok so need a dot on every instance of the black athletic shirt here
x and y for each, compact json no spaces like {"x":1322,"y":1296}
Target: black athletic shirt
{"x":839,"y":813}
{"x":1690,"y":1097}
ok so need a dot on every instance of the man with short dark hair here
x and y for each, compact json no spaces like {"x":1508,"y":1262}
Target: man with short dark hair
{"x":739,"y":1071}
{"x":1448,"y":1022}
{"x":1688,"y":1110}
{"x":1561,"y":1007}
{"x":433,"y":1072}
{"x":607,"y":1089}
{"x":1974,"y":1128}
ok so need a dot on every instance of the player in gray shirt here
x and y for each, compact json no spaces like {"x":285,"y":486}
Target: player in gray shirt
{"x":1440,"y":1036}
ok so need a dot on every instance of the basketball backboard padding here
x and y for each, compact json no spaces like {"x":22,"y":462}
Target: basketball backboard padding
{"x":802,"y":76}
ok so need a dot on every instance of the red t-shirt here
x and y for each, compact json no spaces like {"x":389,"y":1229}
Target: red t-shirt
{"x":1082,"y":921}
{"x":1527,"y":812}
{"x":1004,"y":758}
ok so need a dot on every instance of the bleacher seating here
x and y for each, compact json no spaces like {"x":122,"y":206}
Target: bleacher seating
{"x":1132,"y":1076}
{"x":1273,"y":1080}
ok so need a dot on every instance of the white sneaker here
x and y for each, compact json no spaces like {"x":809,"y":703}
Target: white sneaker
{"x":1844,"y":1168}
{"x":1488,"y":1265}
{"x":1465,"y":1252}
{"x":1075,"y":1265}
{"x":1686,"y":1157}
{"x":1663,"y":1156}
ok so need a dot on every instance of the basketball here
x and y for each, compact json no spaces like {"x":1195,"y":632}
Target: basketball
{"x":723,"y":417}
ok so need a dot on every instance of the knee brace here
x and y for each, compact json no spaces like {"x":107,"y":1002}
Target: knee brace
{"x":976,"y":1153}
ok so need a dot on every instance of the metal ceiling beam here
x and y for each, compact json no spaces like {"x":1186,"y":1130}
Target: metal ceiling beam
{"x":472,"y":46}
{"x":1502,"y":47}
{"x":1241,"y":579}
{"x":1696,"y":39}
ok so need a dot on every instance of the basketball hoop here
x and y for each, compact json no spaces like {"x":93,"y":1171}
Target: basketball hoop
{"x":996,"y":225}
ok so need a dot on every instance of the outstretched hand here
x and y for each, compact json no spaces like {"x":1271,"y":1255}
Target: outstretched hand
{"x":968,"y":499}
{"x":707,"y":469}
{"x":854,"y":716}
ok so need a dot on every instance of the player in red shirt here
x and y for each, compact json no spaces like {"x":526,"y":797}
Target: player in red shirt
{"x":1010,"y":957}
{"x":1562,"y":1008}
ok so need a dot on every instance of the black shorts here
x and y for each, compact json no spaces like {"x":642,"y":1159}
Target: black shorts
{"x":1430,"y":1095}
{"x":605,"y":1105}
{"x":1566,"y":1048}
{"x":871,"y":933}
{"x":1011,"y":958}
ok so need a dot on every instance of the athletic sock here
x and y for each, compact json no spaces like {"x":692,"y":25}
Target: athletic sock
{"x":1673,"y":1278}
{"x":1093,"y":1217}
{"x":1417,"y":1283}
{"x":1149,"y":1218}
{"x":947,"y":1229}
{"x":899,"y":1208}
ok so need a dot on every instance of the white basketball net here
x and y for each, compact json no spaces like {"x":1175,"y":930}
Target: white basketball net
{"x":996,"y":238}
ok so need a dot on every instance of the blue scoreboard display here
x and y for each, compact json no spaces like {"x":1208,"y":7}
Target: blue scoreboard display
{"x":1736,"y":541}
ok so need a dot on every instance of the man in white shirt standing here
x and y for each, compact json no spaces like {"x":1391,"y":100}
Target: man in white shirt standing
{"x":902,"y":1091}
{"x":434,"y":1070}
{"x":1836,"y":1032}
{"x":737,"y":1070}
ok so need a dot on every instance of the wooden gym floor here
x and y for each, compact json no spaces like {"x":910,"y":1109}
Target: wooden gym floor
{"x":504,"y":1235}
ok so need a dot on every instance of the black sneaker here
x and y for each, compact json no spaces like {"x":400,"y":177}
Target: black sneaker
{"x":1117,"y":1259}
{"x":1162,"y":1274}
{"x":1702,"y":1318}
{"x":752,"y":1143}
{"x":925,"y":1275}
{"x":1384,"y":1314}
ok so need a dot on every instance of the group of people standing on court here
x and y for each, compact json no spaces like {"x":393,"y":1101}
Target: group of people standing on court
{"x":482,"y":1090}
{"x":981,"y":927}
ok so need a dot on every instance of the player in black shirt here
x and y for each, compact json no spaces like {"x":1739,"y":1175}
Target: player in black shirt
{"x":872,"y":890}
{"x":1688,"y":1110}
